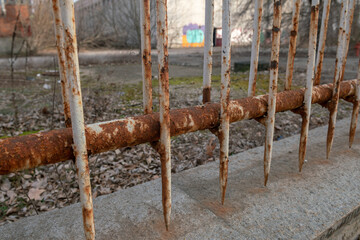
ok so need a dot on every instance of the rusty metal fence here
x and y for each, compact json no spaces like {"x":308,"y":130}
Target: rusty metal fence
{"x":78,"y":141}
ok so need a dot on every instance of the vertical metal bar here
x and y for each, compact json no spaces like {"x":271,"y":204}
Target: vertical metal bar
{"x":164,"y":147}
{"x":59,"y":36}
{"x":255,"y":48}
{"x":309,"y":81}
{"x":347,"y":14}
{"x":274,"y":67}
{"x":355,"y":112}
{"x":349,"y":20}
{"x":225,"y":98}
{"x":322,"y":40}
{"x":292,"y":44}
{"x":208,"y":50}
{"x":77,"y":115}
{"x":146,"y":55}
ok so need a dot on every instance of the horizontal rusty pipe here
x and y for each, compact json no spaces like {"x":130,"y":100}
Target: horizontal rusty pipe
{"x":25,"y":152}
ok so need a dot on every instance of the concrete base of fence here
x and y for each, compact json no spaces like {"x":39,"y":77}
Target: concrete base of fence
{"x":321,"y":202}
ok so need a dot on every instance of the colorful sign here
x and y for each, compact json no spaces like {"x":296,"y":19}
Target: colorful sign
{"x":193,"y":35}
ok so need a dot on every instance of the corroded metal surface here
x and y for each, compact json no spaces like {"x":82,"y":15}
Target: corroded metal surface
{"x":208,"y":50}
{"x":292,"y":43}
{"x":322,"y":40}
{"x":77,"y":116}
{"x":355,"y":112}
{"x":25,"y":152}
{"x":274,"y":67}
{"x":164,"y":146}
{"x":225,"y":99}
{"x":309,"y":81}
{"x":347,"y":13}
{"x":255,"y":47}
{"x":60,"y":45}
{"x":146,"y":55}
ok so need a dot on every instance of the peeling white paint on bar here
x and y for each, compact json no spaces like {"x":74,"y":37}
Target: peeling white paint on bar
{"x":314,"y":17}
{"x":322,"y":40}
{"x":255,"y":45}
{"x":225,"y":97}
{"x":274,"y":70}
{"x":208,"y":49}
{"x":77,"y":115}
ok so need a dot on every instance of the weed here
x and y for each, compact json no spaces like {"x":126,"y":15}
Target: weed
{"x":3,"y":210}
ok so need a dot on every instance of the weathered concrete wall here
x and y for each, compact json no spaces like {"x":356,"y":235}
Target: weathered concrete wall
{"x":5,"y":46}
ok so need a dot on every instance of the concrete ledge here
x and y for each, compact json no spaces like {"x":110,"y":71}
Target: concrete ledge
{"x":321,"y":202}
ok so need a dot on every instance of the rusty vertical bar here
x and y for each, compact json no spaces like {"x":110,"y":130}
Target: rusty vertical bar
{"x":338,"y":64}
{"x":208,"y":50}
{"x":146,"y":55}
{"x":274,"y":67}
{"x":347,"y":14}
{"x":292,"y":44}
{"x":322,"y":41}
{"x":225,"y":98}
{"x":59,"y":37}
{"x":349,"y":20}
{"x":355,"y":112}
{"x":77,"y":115}
{"x":164,"y":146}
{"x":309,"y":81}
{"x":255,"y":48}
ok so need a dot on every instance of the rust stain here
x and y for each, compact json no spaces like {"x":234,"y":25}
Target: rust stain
{"x":276,"y":29}
{"x":273,"y":65}
{"x":338,"y":78}
{"x":146,"y":59}
{"x":272,"y":89}
{"x":303,"y":141}
{"x":317,"y":76}
{"x":60,"y":47}
{"x":206,"y":94}
{"x":164,"y":145}
{"x":354,"y":118}
{"x":219,"y":209}
{"x":88,"y":228}
{"x":292,"y":46}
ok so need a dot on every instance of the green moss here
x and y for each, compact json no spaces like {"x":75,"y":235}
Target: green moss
{"x":132,"y":92}
{"x":21,"y":203}
{"x":28,"y":133}
{"x":3,"y":209}
{"x":22,"y":134}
